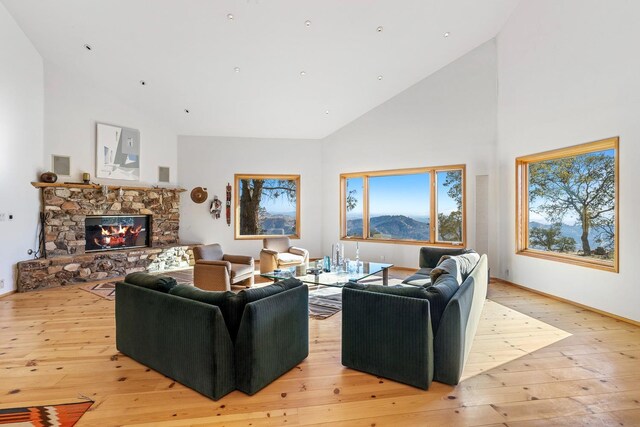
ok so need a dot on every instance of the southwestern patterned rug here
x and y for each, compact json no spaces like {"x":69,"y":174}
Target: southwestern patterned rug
{"x":63,"y":415}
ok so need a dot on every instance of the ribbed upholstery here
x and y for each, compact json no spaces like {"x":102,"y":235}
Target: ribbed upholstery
{"x":387,"y":335}
{"x":273,"y":338}
{"x":183,"y":334}
{"x":154,"y":282}
{"x":185,"y":340}
{"x":458,"y":326}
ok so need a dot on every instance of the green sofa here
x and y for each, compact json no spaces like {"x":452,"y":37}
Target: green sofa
{"x":414,"y":334}
{"x":213,"y":342}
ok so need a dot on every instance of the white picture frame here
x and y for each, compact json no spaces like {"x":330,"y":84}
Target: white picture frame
{"x":117,"y":152}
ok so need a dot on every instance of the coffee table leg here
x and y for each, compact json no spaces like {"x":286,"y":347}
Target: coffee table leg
{"x":385,"y":277}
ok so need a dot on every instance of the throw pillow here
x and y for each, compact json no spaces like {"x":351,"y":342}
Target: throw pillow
{"x":466,"y":262}
{"x":448,"y":266}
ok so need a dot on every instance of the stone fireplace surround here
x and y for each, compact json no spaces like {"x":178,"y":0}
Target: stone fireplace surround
{"x":65,"y":207}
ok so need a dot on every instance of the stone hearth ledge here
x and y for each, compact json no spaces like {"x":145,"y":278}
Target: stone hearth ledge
{"x":38,"y":274}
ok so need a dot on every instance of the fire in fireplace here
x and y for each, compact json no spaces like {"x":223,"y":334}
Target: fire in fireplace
{"x":112,"y":232}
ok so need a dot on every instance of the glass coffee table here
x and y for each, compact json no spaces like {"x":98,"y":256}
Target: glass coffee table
{"x":354,"y":273}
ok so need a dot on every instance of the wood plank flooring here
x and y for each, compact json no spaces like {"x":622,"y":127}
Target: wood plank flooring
{"x":535,"y":361}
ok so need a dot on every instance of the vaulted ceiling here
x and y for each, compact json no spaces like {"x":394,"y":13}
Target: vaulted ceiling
{"x":257,"y":68}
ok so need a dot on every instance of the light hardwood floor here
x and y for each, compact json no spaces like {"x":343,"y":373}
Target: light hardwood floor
{"x":535,"y":361}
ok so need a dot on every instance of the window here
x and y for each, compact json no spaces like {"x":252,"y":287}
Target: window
{"x":566,"y":205}
{"x":397,"y":206}
{"x":267,"y":205}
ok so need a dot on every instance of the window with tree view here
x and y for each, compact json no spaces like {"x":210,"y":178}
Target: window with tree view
{"x":567,"y":204}
{"x":267,"y":205}
{"x":390,"y":206}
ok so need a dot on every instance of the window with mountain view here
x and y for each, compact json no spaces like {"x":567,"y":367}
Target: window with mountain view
{"x":267,"y":205}
{"x":397,"y":206}
{"x":567,"y":205}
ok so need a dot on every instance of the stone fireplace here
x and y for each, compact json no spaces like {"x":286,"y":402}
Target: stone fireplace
{"x":91,"y":235}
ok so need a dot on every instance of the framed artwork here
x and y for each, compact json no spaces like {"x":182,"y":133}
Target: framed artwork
{"x":117,"y":152}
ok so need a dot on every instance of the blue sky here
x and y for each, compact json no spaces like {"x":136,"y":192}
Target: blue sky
{"x":400,"y":195}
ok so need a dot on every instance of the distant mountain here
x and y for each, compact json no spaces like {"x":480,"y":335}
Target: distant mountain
{"x":392,"y":226}
{"x":573,"y":231}
{"x":278,"y":224}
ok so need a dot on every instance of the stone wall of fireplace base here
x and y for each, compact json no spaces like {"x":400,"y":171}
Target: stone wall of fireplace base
{"x":59,"y":271}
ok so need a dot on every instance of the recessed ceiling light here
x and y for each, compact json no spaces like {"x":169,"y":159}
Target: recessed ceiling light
{"x":236,"y":69}
{"x":303,"y":73}
{"x":307,"y":23}
{"x":88,"y":47}
{"x":379,"y":29}
{"x":230,"y":16}
{"x":186,"y":110}
{"x":379,"y":77}
{"x":143,"y":83}
{"x":447,"y":34}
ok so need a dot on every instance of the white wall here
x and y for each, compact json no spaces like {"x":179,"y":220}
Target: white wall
{"x":568,"y":73}
{"x":73,"y":105}
{"x":211,"y":162}
{"x":447,"y":118}
{"x":21,"y":122}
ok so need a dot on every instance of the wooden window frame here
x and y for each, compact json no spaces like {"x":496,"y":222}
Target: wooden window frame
{"x":237,"y":178}
{"x":522,"y":204}
{"x":433,"y":170}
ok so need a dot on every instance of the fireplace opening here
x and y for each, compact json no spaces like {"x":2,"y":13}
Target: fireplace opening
{"x":114,"y":232}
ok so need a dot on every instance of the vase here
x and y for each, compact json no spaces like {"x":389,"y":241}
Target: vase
{"x":49,"y":177}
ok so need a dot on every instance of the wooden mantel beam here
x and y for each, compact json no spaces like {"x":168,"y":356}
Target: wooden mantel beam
{"x":96,"y":186}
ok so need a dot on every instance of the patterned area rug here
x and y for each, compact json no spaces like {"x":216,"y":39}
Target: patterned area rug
{"x":327,"y":301}
{"x":103,"y":290}
{"x":64,"y":415}
{"x":324,"y":302}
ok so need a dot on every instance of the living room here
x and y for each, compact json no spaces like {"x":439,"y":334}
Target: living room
{"x":335,"y":98}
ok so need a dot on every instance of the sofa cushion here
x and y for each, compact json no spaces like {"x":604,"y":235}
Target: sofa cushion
{"x":278,"y":244}
{"x":151,"y":281}
{"x":241,"y":270}
{"x":289,"y":258}
{"x":465,"y":262}
{"x":447,"y":266}
{"x":418,"y":280}
{"x":208,"y":252}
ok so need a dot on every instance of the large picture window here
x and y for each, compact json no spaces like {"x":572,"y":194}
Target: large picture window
{"x":567,"y":205}
{"x":398,"y":206}
{"x":267,"y":205}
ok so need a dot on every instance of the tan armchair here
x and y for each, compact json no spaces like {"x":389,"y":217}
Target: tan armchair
{"x":216,"y":271}
{"x":278,"y":253}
